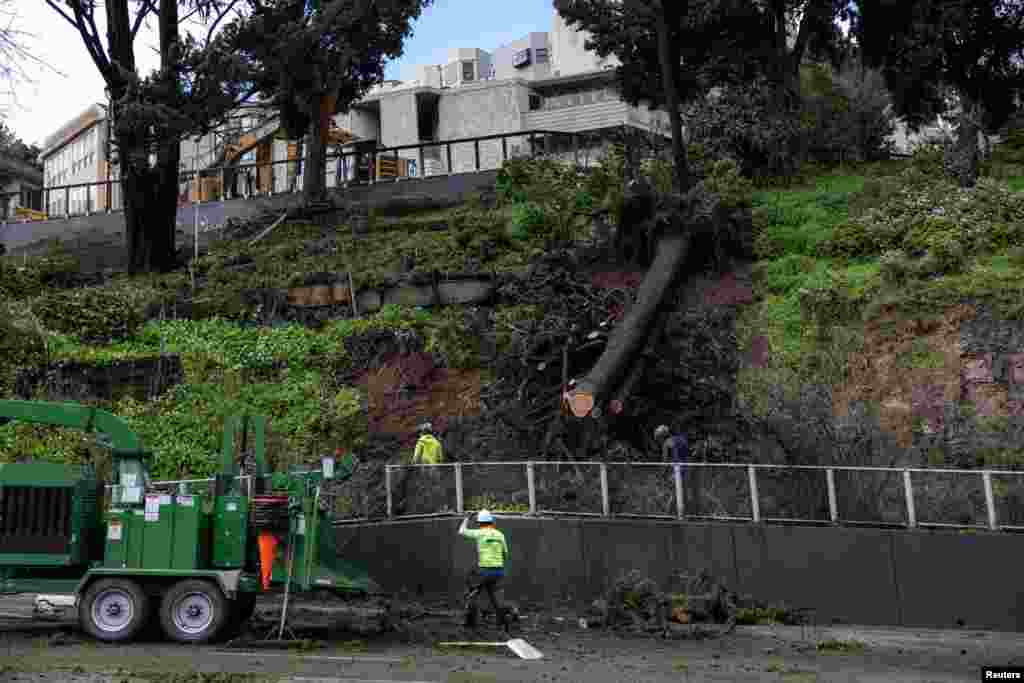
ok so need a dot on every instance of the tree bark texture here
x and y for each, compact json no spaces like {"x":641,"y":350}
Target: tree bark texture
{"x":963,"y":157}
{"x":630,"y":337}
{"x":313,"y":187}
{"x":668,"y":55}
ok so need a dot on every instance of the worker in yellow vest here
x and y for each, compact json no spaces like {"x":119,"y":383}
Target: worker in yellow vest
{"x":492,"y":553}
{"x":428,"y":448}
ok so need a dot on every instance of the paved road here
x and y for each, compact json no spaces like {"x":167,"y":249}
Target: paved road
{"x":761,"y":653}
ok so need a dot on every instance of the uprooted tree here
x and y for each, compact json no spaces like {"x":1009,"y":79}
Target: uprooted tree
{"x":197,"y":84}
{"x":315,"y":58}
{"x":947,"y":56}
{"x":669,"y":53}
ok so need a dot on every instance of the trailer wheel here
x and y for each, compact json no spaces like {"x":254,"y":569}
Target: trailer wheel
{"x":114,"y":610}
{"x":193,"y":611}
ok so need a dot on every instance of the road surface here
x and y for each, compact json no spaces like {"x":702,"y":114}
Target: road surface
{"x":51,"y":653}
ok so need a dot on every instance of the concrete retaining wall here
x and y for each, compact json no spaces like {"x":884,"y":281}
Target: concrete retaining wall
{"x":934,"y":579}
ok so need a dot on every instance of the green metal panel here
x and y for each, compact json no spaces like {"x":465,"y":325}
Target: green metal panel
{"x":116,"y":552}
{"x":158,"y":522}
{"x":135,"y":538}
{"x":191,"y":542}
{"x":230,"y":528}
{"x":40,"y":474}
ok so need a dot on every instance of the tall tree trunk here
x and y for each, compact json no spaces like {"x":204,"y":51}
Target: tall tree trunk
{"x":313,"y":180}
{"x":161,"y":218}
{"x":669,"y":57}
{"x":962,"y":158}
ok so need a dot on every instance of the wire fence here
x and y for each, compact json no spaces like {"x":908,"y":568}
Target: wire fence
{"x":787,"y":494}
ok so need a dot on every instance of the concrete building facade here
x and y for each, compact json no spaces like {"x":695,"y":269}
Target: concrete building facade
{"x":545,"y":80}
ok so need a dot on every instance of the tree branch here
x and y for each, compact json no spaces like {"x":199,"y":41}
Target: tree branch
{"x":220,"y":17}
{"x":146,"y":9}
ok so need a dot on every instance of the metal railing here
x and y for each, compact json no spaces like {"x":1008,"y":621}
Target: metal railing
{"x":905,"y":497}
{"x":381,"y":165}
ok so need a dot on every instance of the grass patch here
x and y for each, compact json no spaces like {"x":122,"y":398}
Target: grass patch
{"x":841,"y":646}
{"x":800,"y":220}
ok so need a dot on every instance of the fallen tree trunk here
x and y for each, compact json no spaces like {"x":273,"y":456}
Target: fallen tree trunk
{"x":631,"y":335}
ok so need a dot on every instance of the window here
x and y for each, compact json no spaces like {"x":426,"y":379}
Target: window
{"x":536,"y":102}
{"x":467,"y":71}
{"x":541,"y":55}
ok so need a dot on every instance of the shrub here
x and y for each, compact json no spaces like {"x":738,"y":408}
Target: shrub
{"x":895,"y":267}
{"x":528,"y":220}
{"x":91,"y":314}
{"x":746,"y":123}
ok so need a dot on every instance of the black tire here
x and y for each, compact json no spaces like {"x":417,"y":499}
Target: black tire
{"x":193,"y":611}
{"x":114,"y":610}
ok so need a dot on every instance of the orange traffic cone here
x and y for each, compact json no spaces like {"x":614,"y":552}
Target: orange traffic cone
{"x":268,"y":548}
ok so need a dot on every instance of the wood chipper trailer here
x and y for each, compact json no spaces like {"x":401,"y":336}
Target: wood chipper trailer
{"x":193,"y":563}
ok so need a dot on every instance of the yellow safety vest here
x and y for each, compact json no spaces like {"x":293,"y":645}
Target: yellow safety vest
{"x":490,"y":546}
{"x":428,"y":450}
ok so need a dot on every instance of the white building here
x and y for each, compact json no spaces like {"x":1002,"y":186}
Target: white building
{"x":543,"y":81}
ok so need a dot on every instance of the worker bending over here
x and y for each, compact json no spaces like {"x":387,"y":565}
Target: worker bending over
{"x":492,"y":550}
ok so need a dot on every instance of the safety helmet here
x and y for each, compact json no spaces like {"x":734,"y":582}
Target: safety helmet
{"x":484,"y":516}
{"x":661,"y":432}
{"x":426,"y":427}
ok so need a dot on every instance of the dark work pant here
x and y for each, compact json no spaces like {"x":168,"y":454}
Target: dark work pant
{"x":489,"y":583}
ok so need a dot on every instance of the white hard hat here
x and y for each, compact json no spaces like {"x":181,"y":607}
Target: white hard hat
{"x":484,"y":516}
{"x":661,"y":431}
{"x":426,"y":427}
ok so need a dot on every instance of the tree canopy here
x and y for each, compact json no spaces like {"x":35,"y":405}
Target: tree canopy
{"x":947,"y":56}
{"x":303,"y":51}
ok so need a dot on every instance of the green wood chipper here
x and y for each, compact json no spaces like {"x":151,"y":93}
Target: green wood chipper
{"x":128,"y":554}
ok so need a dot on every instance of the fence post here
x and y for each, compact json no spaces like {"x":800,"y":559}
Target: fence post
{"x":531,"y":488}
{"x":458,"y":488}
{"x":67,"y":202}
{"x":421,"y":160}
{"x":677,"y":475}
{"x":398,"y":176}
{"x":606,"y":507}
{"x":448,"y":147}
{"x":576,"y":149}
{"x":504,"y":149}
{"x":990,"y":502}
{"x":387,"y":487}
{"x":755,"y":503}
{"x":908,"y":493}
{"x":476,"y":154}
{"x":833,"y":507}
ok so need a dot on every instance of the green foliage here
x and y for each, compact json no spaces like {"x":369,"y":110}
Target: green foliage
{"x":747,"y":123}
{"x":487,"y":502}
{"x":801,"y":221}
{"x":936,"y":217}
{"x":558,"y":201}
{"x":528,"y":220}
{"x":895,"y":267}
{"x":184,"y":426}
{"x":91,"y":314}
{"x":446,"y":337}
{"x":845,"y":115}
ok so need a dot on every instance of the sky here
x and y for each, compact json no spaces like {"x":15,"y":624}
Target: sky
{"x":73,"y":83}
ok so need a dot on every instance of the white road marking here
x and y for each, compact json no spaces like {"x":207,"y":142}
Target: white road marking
{"x":354,"y":660}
